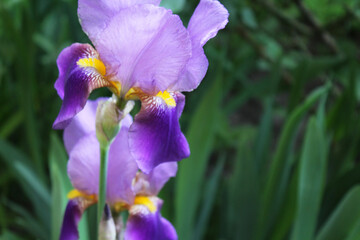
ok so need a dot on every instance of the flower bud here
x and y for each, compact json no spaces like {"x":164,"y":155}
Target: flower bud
{"x":107,"y":229}
{"x":108,"y":119}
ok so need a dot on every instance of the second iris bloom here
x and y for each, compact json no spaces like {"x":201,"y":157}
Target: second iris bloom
{"x":127,"y":188}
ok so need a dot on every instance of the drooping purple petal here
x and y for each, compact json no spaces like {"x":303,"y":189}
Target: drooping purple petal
{"x":82,"y":124}
{"x":146,"y":225}
{"x":145,"y":46}
{"x":69,"y":228}
{"x":151,"y":184}
{"x":80,"y":71}
{"x":155,"y":136}
{"x":84,"y":163}
{"x":209,"y":17}
{"x":95,"y":15}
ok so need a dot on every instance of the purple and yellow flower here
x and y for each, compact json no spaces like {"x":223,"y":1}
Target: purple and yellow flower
{"x":127,"y":188}
{"x":142,"y":51}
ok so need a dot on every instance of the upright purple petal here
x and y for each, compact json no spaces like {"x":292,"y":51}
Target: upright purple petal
{"x":80,"y":71}
{"x":122,"y":167}
{"x":145,"y":46}
{"x":95,"y":15}
{"x":155,"y":136}
{"x":151,"y":184}
{"x":69,"y":228}
{"x":84,"y":163}
{"x":193,"y":73}
{"x":82,"y":124}
{"x":146,"y":225}
{"x":209,"y":17}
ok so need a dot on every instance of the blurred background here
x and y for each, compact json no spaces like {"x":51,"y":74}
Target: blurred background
{"x":274,"y":127}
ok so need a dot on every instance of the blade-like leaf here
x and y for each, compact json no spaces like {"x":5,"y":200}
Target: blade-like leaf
{"x":311,"y":182}
{"x":36,"y":190}
{"x":243,"y":190}
{"x":60,"y":184}
{"x":344,"y":219}
{"x":279,"y":169}
{"x":60,"y":187}
{"x":210,"y":190}
{"x":191,"y":172}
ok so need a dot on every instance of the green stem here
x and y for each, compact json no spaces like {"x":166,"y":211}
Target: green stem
{"x":104,"y":151}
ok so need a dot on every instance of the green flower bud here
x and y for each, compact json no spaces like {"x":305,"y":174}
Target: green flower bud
{"x":108,"y":120}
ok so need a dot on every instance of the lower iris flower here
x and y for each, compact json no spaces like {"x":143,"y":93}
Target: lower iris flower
{"x":142,"y":51}
{"x":127,"y":188}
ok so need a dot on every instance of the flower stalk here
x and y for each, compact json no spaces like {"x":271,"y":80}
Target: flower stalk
{"x":104,"y":153}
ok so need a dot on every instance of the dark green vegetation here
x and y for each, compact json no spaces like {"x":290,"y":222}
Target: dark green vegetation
{"x":274,"y":128}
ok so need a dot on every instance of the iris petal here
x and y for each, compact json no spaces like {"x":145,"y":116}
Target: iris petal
{"x":146,"y":225}
{"x":95,"y":15}
{"x":80,"y":72}
{"x":152,"y":183}
{"x":84,"y":163}
{"x":72,"y":216}
{"x":144,"y":46}
{"x":82,"y":124}
{"x":155,"y":136}
{"x":209,"y":17}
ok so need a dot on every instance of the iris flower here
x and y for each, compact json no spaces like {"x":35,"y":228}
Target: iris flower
{"x":127,"y":188}
{"x":142,"y":51}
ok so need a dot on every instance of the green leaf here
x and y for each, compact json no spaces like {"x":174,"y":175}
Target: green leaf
{"x":276,"y":179}
{"x":344,"y":219}
{"x":263,"y":139}
{"x":17,"y":161}
{"x":174,"y":5}
{"x":26,"y":221}
{"x":60,"y":187}
{"x":35,"y":189}
{"x":311,"y":182}
{"x":286,"y":216}
{"x":7,"y":235}
{"x":190,"y":178}
{"x":243,"y":190}
{"x":11,"y":124}
{"x":210,"y":190}
{"x":248,"y":17}
{"x":60,"y":184}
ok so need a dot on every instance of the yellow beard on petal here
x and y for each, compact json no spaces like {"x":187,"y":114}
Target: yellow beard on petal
{"x":143,"y":200}
{"x":169,"y":100}
{"x":76,"y":193}
{"x":92,"y":62}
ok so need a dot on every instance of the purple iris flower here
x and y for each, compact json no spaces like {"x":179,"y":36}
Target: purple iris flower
{"x":143,"y":52}
{"x":127,"y":188}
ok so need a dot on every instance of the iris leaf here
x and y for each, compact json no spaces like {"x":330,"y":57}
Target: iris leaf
{"x":36,"y":190}
{"x":211,"y":188}
{"x":282,"y":161}
{"x":60,"y":187}
{"x":344,"y":219}
{"x":175,"y":5}
{"x":243,"y":189}
{"x":190,"y":178}
{"x":311,"y":181}
{"x":60,"y":184}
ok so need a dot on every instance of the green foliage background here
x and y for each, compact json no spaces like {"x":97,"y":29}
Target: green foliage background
{"x":274,"y":127}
